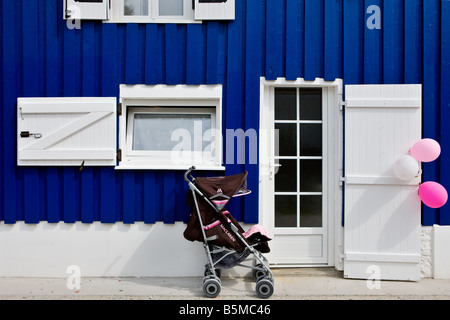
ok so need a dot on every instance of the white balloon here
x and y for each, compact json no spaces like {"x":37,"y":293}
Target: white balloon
{"x":406,"y":168}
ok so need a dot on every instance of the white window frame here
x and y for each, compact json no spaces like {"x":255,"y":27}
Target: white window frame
{"x":179,"y":99}
{"x":117,"y":14}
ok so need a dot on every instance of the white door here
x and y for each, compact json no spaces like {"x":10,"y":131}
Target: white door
{"x":294,"y":167}
{"x":382,"y":212}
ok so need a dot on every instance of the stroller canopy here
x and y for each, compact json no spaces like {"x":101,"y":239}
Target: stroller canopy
{"x":221,"y":189}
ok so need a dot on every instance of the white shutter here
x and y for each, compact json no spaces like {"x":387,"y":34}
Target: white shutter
{"x":382,"y":213}
{"x":86,"y":9}
{"x":66,"y":131}
{"x":214,"y":9}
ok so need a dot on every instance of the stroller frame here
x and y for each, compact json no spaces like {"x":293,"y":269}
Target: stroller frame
{"x":211,"y":281}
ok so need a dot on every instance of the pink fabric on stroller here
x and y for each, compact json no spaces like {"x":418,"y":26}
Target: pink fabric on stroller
{"x":257,"y":229}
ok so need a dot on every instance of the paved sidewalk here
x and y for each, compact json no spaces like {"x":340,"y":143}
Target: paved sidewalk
{"x":290,"y":284}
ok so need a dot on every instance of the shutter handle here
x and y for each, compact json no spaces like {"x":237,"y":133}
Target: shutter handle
{"x":27,"y":134}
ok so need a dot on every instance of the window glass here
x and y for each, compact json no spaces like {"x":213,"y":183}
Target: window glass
{"x":136,"y":8}
{"x":310,"y":103}
{"x":310,"y":175}
{"x":285,"y":103}
{"x":310,"y":139}
{"x":171,"y":7}
{"x":285,"y":211}
{"x":286,"y":177}
{"x":287,"y":138}
{"x":162,"y":132}
{"x":311,"y":211}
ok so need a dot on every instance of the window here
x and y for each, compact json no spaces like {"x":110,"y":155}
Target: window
{"x":170,"y":127}
{"x":162,"y":11}
{"x":298,"y":183}
{"x":150,"y":11}
{"x":135,"y":8}
{"x":180,"y":135}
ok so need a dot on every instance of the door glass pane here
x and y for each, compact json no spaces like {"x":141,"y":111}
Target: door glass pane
{"x":287,"y":133}
{"x":311,"y":211}
{"x":310,"y":139}
{"x":285,"y":104}
{"x":154,"y":131}
{"x":135,"y":8}
{"x":285,"y":211}
{"x":310,"y":103}
{"x":171,"y":7}
{"x":286,"y":177}
{"x":310,"y":175}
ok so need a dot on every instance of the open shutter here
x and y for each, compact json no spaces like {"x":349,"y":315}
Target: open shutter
{"x":66,"y":131}
{"x":214,"y":9}
{"x":382,"y":212}
{"x":86,"y":9}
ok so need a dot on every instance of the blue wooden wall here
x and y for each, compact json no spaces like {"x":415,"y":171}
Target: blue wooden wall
{"x":328,"y":39}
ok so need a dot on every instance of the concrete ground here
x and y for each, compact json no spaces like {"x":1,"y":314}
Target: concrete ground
{"x":290,"y":284}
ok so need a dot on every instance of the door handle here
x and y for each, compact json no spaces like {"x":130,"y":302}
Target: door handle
{"x":273,"y":168}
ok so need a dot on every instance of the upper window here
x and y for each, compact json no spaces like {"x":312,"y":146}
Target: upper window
{"x":170,"y":127}
{"x":152,"y":11}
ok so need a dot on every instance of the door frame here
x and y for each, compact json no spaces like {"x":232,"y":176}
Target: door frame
{"x":333,"y":166}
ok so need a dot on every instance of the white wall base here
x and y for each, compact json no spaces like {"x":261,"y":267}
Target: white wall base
{"x":100,"y":250}
{"x":441,"y":252}
{"x":142,"y":250}
{"x":426,"y":261}
{"x":435,"y":252}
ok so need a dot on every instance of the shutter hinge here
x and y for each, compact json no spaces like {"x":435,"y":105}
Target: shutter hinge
{"x":341,"y":255}
{"x":119,"y":109}
{"x":342,"y":180}
{"x":342,"y":105}
{"x":119,"y":155}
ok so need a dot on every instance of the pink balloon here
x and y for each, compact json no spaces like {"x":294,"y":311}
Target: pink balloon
{"x":433,"y":194}
{"x":426,"y":150}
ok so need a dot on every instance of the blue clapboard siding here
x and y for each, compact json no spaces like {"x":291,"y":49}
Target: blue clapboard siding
{"x":307,"y":39}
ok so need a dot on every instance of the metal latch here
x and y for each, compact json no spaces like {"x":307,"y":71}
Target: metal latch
{"x":27,"y":134}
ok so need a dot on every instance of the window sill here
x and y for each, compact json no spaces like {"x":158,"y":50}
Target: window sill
{"x":140,"y":19}
{"x":168,"y":167}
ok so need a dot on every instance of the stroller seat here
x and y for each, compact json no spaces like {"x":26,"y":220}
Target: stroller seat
{"x":225,"y":241}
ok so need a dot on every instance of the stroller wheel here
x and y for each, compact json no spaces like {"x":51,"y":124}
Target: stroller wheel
{"x":259,"y":273}
{"x":264,"y":288}
{"x":211,"y":287}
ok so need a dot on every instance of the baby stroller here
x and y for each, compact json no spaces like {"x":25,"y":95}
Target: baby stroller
{"x":226,"y":243}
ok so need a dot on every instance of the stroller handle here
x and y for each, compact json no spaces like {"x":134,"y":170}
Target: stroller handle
{"x":188,"y":173}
